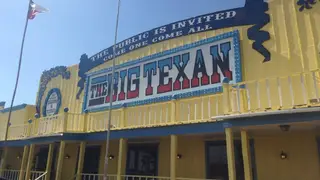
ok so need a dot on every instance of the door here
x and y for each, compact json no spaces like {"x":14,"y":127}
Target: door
{"x":142,"y":160}
{"x":217,"y":163}
{"x":91,"y":160}
{"x":41,"y":158}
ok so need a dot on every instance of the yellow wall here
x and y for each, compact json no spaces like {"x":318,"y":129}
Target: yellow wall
{"x":293,"y":46}
{"x":20,"y":116}
{"x":302,"y":162}
{"x":13,"y":162}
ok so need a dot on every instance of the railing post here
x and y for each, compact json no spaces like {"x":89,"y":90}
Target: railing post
{"x":23,"y":162}
{"x":49,"y":161}
{"x":85,"y":123}
{"x":29,"y":128}
{"x":60,"y":160}
{"x":37,"y":123}
{"x":65,"y":119}
{"x":122,"y":158}
{"x":226,"y":96}
{"x":123,"y":117}
{"x":246,"y":155}
{"x":30,"y":161}
{"x":81,"y":159}
{"x":173,"y":116}
{"x":173,"y":156}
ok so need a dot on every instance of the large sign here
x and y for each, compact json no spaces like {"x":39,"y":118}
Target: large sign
{"x":253,"y":13}
{"x":193,"y":69}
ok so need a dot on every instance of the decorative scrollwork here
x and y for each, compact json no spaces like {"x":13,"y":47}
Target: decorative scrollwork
{"x":306,"y":4}
{"x":46,"y":78}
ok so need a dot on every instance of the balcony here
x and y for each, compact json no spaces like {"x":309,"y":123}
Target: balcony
{"x":265,"y":95}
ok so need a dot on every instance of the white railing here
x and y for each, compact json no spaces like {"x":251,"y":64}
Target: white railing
{"x":199,"y":109}
{"x":298,"y":90}
{"x":85,"y":176}
{"x":37,"y":175}
{"x":149,"y":115}
{"x":75,"y":122}
{"x":18,"y":131}
{"x":49,"y":125}
{"x":135,"y":177}
{"x":10,"y":174}
{"x":99,"y":121}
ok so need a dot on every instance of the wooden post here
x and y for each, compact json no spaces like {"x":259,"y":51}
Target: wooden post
{"x":81,"y":159}
{"x":123,"y":117}
{"x":85,"y":123}
{"x":226,"y":96}
{"x":30,"y":161}
{"x":4,"y":158}
{"x":173,"y":110}
{"x":230,"y":154}
{"x":122,"y":158}
{"x":173,"y":156}
{"x":65,"y":119}
{"x":29,"y":128}
{"x":246,"y":155}
{"x":60,"y":160}
{"x":49,"y":161}
{"x":23,"y":162}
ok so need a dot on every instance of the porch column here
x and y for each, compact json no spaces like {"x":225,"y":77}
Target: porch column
{"x":173,"y":156}
{"x":49,"y":161}
{"x":230,"y":154}
{"x":60,"y":160}
{"x":81,"y":159}
{"x":3,"y":160}
{"x":122,"y":158}
{"x":246,"y":155}
{"x":23,"y":162}
{"x":30,"y":160}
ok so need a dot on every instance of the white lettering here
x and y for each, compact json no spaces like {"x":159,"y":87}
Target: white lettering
{"x":219,"y":16}
{"x":231,"y":14}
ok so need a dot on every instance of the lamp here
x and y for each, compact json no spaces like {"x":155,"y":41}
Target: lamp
{"x":283,"y":155}
{"x":67,"y":156}
{"x":111,"y":156}
{"x":284,"y":127}
{"x":179,"y":156}
{"x":19,"y":156}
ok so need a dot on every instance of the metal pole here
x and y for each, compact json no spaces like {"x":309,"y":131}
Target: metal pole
{"x":106,"y":158}
{"x":18,"y":72}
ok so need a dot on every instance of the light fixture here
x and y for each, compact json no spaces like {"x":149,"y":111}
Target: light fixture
{"x":283,"y":155}
{"x":179,"y":156}
{"x":67,"y":156}
{"x":111,"y":156}
{"x":19,"y":156}
{"x":284,"y":127}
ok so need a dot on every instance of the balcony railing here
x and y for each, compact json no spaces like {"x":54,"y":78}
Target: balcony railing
{"x":269,"y":94}
{"x":10,"y":174}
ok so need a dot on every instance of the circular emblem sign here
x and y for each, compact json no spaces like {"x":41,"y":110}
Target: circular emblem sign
{"x":52,"y":103}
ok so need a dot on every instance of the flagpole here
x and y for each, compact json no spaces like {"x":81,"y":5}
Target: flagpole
{"x":17,"y":79}
{"x":106,"y":159}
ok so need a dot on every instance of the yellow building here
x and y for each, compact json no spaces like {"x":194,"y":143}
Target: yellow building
{"x":230,"y":95}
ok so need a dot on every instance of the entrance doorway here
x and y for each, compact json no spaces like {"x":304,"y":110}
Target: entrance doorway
{"x":41,"y":158}
{"x":216,"y":160}
{"x":91,"y":160}
{"x":142,"y":160}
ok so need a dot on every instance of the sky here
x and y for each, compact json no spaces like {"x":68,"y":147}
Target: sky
{"x":74,"y":27}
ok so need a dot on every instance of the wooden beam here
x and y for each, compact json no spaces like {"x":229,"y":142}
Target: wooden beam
{"x":23,"y":162}
{"x":30,"y":160}
{"x":122,"y":158}
{"x":49,"y":161}
{"x":173,"y":156}
{"x":81,"y":159}
{"x":60,"y":160}
{"x":246,"y":155}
